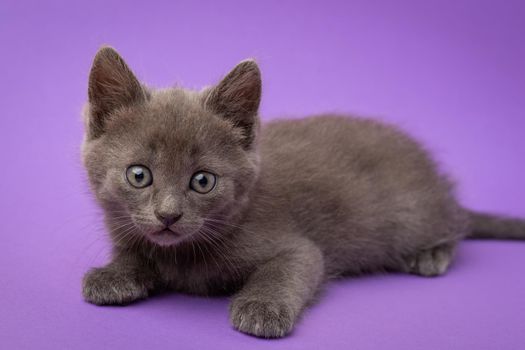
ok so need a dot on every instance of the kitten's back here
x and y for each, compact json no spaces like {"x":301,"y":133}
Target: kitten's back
{"x":358,"y":187}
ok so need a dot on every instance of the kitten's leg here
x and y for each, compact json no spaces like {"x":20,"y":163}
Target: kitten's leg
{"x":122,"y":281}
{"x":277,"y":291}
{"x":431,"y":262}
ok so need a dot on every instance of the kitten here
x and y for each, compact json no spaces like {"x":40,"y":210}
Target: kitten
{"x":198,"y":198}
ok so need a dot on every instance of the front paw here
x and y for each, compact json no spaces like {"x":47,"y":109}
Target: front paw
{"x":262,"y":318}
{"x":102,"y":286}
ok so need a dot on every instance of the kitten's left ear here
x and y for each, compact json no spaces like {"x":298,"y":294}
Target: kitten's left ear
{"x":237,"y":97}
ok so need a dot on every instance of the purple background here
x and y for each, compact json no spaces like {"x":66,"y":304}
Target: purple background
{"x":450,"y":72}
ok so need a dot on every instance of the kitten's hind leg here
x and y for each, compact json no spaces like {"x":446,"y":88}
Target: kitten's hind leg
{"x":431,"y":262}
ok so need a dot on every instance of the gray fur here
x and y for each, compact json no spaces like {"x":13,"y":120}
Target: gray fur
{"x":483,"y":225}
{"x":296,"y":202}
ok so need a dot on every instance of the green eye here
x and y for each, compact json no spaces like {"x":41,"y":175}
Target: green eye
{"x":203,"y":182}
{"x":139,"y":176}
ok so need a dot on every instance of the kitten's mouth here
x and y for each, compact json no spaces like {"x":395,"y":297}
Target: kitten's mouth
{"x":166,"y":237}
{"x":167,"y":231}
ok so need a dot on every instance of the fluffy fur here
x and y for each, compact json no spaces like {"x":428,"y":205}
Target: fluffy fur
{"x":295,"y":203}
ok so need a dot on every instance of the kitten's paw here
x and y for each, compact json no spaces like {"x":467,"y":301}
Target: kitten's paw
{"x":268,"y":319}
{"x":431,"y":262}
{"x":102,"y":286}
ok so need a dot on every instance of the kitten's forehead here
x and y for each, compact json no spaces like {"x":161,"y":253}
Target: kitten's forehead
{"x":175,"y":106}
{"x":175,"y":121}
{"x":172,"y":117}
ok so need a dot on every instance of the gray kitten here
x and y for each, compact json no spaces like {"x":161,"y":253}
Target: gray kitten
{"x":198,"y":198}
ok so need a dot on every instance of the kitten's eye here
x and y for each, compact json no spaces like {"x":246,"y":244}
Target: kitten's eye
{"x":139,"y":176}
{"x":203,"y":182}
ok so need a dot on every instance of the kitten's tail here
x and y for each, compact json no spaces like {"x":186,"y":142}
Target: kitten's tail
{"x":484,"y":225}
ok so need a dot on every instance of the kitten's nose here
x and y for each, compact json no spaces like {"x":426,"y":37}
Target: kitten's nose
{"x":167,"y":219}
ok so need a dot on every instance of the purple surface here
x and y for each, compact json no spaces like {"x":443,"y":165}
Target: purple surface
{"x":451,"y":72}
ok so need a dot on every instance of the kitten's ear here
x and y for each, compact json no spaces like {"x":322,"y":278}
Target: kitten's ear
{"x":237,"y":98}
{"x":111,"y":85}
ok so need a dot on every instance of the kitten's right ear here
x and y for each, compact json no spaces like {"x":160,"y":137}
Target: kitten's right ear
{"x":111,"y":85}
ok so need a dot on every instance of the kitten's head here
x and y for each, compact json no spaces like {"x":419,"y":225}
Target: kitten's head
{"x":169,"y":164}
